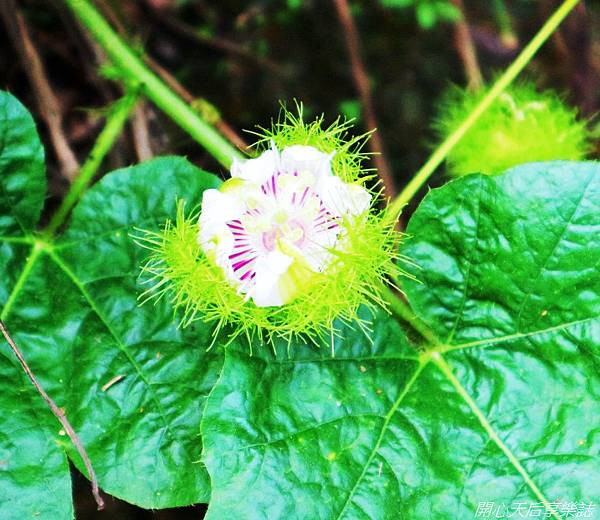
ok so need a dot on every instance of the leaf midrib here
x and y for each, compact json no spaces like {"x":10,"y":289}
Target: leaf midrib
{"x":558,"y":242}
{"x":388,"y":418}
{"x":80,"y":286}
{"x":509,"y":337}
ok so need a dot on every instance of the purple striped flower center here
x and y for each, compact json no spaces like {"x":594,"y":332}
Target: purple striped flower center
{"x":286,"y":214}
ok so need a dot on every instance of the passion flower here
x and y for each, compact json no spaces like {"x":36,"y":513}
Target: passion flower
{"x":290,"y":243}
{"x":278,"y":221}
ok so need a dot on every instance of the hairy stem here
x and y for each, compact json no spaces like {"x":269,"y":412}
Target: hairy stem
{"x":134,"y":70}
{"x":114,"y":125}
{"x":59,"y":414}
{"x":499,"y":86}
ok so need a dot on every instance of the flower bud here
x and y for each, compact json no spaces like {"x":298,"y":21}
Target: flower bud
{"x":521,"y":126}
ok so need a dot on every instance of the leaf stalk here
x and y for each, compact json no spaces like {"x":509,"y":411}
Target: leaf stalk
{"x":116,"y":119}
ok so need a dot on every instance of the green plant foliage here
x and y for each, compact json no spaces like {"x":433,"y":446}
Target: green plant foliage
{"x":131,"y":383}
{"x":34,"y":473}
{"x":154,"y":412}
{"x":523,"y":125}
{"x":498,"y":404}
{"x":496,"y":409}
{"x":23,"y":182}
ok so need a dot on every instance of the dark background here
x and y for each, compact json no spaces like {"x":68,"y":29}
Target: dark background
{"x":244,"y":57}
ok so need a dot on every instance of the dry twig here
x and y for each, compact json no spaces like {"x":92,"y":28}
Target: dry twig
{"x":220,"y":124}
{"x":59,"y":414}
{"x":363,"y":87}
{"x":466,"y":49}
{"x":48,"y":105}
{"x":141,"y":133}
{"x":221,"y":44}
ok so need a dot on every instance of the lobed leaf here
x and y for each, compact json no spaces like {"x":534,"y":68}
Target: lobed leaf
{"x":499,"y":410}
{"x":131,"y":383}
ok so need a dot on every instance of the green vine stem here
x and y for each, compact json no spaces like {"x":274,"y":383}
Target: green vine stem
{"x":116,"y":119}
{"x":133,"y":69}
{"x":405,"y":313}
{"x":499,"y":86}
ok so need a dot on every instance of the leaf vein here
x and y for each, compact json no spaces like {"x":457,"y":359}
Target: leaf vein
{"x":384,"y":428}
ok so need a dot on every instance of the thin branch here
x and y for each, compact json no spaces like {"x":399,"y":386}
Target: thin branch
{"x":220,"y":124}
{"x":466,"y":49}
{"x":509,"y":38}
{"x":86,"y":47}
{"x":361,"y":81}
{"x":58,"y":413}
{"x":219,"y":43}
{"x":574,"y":46}
{"x":48,"y":105}
{"x":135,"y":71}
{"x":141,"y":133}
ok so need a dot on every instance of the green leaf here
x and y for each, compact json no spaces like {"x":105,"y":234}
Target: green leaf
{"x":131,"y":383}
{"x":22,"y":171}
{"x":501,"y":409}
{"x":34,"y":474}
{"x":289,"y":437}
{"x":149,"y":422}
{"x":510,"y":278}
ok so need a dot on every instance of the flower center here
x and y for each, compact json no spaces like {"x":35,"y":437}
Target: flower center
{"x":291,"y":231}
{"x":285,"y":215}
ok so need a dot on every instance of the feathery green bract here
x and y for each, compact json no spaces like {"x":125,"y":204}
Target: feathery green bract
{"x":290,"y":129}
{"x":178,"y":268}
{"x":364,"y":259}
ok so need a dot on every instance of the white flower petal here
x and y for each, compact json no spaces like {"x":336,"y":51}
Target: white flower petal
{"x":217,"y":209}
{"x":269,"y":270}
{"x":317,"y":251}
{"x":343,"y":198}
{"x":300,"y":158}
{"x":257,"y":170}
{"x":270,"y":240}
